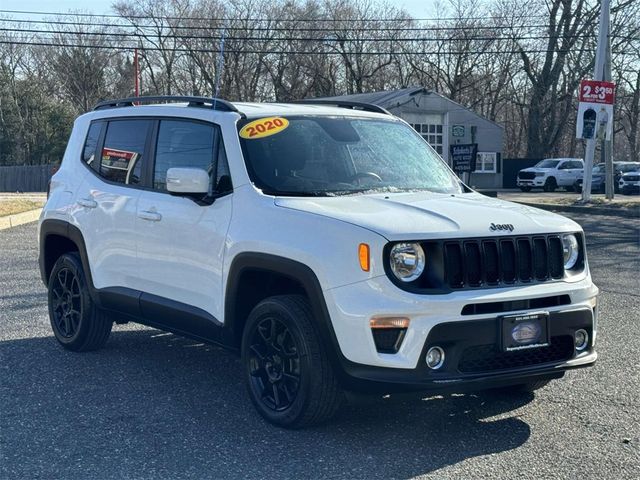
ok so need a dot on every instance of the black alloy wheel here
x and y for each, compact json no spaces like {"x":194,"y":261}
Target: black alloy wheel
{"x":77,"y":322}
{"x":287,"y":371}
{"x":274,"y":364}
{"x":67,"y":302}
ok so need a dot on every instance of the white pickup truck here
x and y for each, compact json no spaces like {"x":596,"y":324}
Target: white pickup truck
{"x":550,"y":174}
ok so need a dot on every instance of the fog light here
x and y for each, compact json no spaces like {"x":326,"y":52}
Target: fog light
{"x":435,"y":358}
{"x":581,"y":339}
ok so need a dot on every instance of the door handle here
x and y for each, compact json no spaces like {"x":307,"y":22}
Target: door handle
{"x":87,"y":202}
{"x":149,"y":215}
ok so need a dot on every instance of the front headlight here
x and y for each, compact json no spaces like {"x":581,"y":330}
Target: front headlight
{"x":571,"y":250}
{"x":407,"y":261}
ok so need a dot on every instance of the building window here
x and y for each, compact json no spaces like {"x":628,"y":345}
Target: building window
{"x":486,"y":162}
{"x":432,"y":133}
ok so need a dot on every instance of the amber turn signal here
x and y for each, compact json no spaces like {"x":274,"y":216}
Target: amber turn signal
{"x":389,"y":322}
{"x":363,"y":256}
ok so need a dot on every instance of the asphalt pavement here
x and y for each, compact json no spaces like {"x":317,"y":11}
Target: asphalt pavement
{"x":154,"y":405}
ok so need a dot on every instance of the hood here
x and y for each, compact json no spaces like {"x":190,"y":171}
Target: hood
{"x":414,"y":216}
{"x":536,"y":169}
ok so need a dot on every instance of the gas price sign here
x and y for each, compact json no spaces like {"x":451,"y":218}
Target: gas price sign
{"x":594,"y":91}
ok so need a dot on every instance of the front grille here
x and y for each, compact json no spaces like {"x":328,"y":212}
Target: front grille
{"x":505,"y":261}
{"x":527,"y":175}
{"x":487,"y":358}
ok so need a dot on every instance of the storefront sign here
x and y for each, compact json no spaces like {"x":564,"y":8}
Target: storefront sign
{"x":463,"y":157}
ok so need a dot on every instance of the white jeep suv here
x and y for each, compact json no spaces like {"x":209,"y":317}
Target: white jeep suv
{"x":328,"y":244}
{"x":550,"y":174}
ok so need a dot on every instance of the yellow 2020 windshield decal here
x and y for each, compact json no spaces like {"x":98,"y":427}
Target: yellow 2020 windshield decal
{"x":264,"y":127}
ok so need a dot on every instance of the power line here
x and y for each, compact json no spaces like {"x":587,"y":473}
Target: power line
{"x":283,"y":52}
{"x":254,"y":19}
{"x":346,"y":28}
{"x":307,"y":39}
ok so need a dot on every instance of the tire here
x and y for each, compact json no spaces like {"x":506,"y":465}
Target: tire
{"x":525,"y":189}
{"x":77,"y":323}
{"x":287,"y":370}
{"x":550,"y":185}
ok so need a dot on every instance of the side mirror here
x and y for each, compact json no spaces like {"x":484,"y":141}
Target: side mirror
{"x":188,"y":180}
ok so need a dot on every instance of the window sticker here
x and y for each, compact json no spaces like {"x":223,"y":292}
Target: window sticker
{"x":263,"y":127}
{"x":118,"y":159}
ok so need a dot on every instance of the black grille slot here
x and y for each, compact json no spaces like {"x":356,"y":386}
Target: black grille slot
{"x":524,"y":259}
{"x":473,"y":263}
{"x":491,"y":262}
{"x":556,"y":258}
{"x":508,"y":263}
{"x":487,"y":358}
{"x":540,"y":256}
{"x":453,"y":265}
{"x":388,"y":340}
{"x":527,"y":175}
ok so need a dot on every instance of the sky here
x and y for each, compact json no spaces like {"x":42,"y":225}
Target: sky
{"x":417,"y":8}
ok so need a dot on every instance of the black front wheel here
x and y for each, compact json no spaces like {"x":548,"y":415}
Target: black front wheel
{"x":287,"y":371}
{"x":77,"y":323}
{"x":550,"y":185}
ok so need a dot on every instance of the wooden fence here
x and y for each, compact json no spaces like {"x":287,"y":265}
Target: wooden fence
{"x":25,"y":178}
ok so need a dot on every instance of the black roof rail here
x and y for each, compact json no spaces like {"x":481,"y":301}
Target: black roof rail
{"x":367,"y":107}
{"x":215,"y":103}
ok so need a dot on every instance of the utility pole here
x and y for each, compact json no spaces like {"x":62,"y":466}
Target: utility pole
{"x":136,"y":68}
{"x":598,"y":74}
{"x":606,"y":146}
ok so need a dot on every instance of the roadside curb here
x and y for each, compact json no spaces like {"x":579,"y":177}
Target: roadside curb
{"x":620,"y":212}
{"x":19,"y":218}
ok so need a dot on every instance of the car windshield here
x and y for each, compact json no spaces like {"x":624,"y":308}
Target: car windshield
{"x":327,"y":156}
{"x":548,"y":164}
{"x":627,"y":167}
{"x":598,"y":169}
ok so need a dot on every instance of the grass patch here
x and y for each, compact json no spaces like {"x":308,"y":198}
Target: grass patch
{"x":10,"y":207}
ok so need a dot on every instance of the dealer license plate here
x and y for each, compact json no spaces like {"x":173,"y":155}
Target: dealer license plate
{"x":524,"y":331}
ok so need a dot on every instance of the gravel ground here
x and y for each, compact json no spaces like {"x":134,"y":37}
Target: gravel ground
{"x":153,"y":405}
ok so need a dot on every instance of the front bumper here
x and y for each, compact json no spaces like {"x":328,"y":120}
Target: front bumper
{"x":438,"y":320}
{"x":536,"y":182}
{"x":474,"y":361}
{"x":629,"y":187}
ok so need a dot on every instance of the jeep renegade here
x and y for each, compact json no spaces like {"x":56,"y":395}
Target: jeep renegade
{"x":328,"y":244}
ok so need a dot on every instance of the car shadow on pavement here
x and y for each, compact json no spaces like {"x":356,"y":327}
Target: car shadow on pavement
{"x":153,"y":405}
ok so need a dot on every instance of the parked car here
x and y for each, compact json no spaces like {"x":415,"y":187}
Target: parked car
{"x":550,"y":174}
{"x":630,"y":182}
{"x":329,"y":245}
{"x":599,"y":174}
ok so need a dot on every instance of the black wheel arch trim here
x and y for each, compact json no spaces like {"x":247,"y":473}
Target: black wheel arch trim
{"x":296,"y":271}
{"x":62,"y":228}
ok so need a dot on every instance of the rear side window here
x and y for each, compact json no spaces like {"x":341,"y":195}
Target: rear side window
{"x":183,"y":143}
{"x":91,"y":144}
{"x":123,"y":151}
